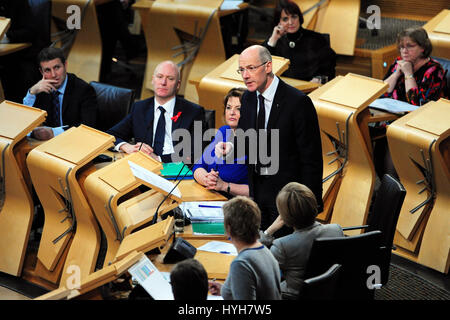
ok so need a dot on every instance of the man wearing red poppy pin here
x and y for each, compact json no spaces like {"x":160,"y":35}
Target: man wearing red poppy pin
{"x":153,"y":121}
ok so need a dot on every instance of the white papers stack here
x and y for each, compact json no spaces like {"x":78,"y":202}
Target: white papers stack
{"x":392,"y":105}
{"x":219,"y":247}
{"x":153,"y":281}
{"x":204,"y":211}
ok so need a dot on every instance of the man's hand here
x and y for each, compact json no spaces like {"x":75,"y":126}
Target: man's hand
{"x":222,"y":149}
{"x":214,"y":287}
{"x":44,"y":85}
{"x":132,"y":148}
{"x":42,"y":133}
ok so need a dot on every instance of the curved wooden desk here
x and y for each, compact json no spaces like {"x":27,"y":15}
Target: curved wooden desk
{"x":185,"y":31}
{"x":120,"y":208}
{"x":420,"y":148}
{"x":438,"y":30}
{"x":16,"y":204}
{"x":85,"y":55}
{"x":342,"y":113}
{"x":54,"y":167}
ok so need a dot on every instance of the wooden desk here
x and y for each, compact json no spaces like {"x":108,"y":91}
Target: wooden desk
{"x":8,"y":48}
{"x":217,"y":265}
{"x":419,"y":143}
{"x":346,"y":146}
{"x":54,"y":167}
{"x":185,"y":31}
{"x":16,"y":204}
{"x":84,"y":55}
{"x":438,"y":30}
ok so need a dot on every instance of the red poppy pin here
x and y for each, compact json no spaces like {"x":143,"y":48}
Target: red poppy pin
{"x":175,"y":118}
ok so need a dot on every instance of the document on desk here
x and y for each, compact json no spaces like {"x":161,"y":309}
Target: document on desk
{"x":219,"y":247}
{"x":205,"y":211}
{"x":151,"y":279}
{"x":392,"y":105}
{"x":230,"y":5}
{"x":153,"y":179}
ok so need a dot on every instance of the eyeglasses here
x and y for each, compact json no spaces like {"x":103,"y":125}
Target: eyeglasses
{"x":250,"y":69}
{"x":408,"y":46}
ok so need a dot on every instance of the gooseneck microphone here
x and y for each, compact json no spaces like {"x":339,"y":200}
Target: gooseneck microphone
{"x":155,"y":216}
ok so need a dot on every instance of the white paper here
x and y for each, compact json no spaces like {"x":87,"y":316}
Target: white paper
{"x":230,"y":4}
{"x":219,"y":247}
{"x":153,"y":281}
{"x":203,"y":210}
{"x":153,"y":179}
{"x":392,"y":105}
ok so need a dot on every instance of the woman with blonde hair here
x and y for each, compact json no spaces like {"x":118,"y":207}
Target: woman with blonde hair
{"x":297,"y":207}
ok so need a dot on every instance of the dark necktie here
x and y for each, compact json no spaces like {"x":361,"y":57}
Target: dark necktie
{"x":54,"y":115}
{"x":260,"y":125}
{"x":158,"y":142}
{"x":261,"y":122}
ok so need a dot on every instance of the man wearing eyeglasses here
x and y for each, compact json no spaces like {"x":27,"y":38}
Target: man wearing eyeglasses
{"x":268,"y":104}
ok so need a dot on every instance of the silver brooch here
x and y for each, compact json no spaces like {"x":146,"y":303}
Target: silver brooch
{"x":292,"y":44}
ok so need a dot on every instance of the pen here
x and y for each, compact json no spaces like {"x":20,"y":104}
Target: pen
{"x":206,"y":206}
{"x":225,"y":252}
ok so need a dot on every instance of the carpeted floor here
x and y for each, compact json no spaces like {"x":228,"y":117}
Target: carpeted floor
{"x":405,"y":285}
{"x":387,"y":33}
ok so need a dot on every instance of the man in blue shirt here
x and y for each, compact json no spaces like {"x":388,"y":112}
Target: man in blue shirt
{"x":68,"y":100}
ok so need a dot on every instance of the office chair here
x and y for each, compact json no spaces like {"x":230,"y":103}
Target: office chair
{"x":384,"y":216}
{"x":114,"y":103}
{"x":322,"y":287}
{"x":356,"y":254}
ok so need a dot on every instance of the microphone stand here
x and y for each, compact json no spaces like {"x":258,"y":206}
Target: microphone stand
{"x":155,"y":216}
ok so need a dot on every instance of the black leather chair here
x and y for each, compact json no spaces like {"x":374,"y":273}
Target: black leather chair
{"x":322,"y":287}
{"x":356,"y":254}
{"x":114,"y":103}
{"x":384,"y":216}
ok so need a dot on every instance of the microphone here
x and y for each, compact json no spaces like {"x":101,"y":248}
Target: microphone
{"x":155,"y":216}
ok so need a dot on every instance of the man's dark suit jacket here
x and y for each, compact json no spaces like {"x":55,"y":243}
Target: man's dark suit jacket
{"x":79,"y":103}
{"x":300,"y":148}
{"x":138,"y":124}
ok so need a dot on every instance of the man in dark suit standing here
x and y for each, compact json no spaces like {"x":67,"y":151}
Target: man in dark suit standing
{"x":271,"y":104}
{"x":153,"y":122}
{"x":68,"y":100}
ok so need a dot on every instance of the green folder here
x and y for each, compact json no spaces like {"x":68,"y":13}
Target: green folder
{"x":208,"y":228}
{"x":172,"y":169}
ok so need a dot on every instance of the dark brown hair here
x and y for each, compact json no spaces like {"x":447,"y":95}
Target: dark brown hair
{"x":418,"y":35}
{"x":189,"y":280}
{"x":242,"y":218}
{"x":235,"y":92}
{"x":290,"y":7}
{"x":50,"y":53}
